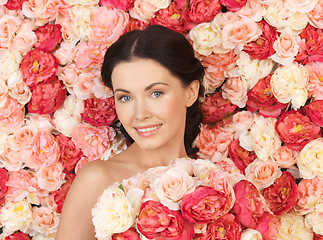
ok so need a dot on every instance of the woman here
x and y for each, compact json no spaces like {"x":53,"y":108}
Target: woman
{"x":156,"y":81}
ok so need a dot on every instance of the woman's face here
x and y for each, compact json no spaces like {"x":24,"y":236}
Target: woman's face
{"x":151,"y":103}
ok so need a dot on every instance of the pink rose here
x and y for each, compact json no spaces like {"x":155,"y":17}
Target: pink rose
{"x":60,"y":194}
{"x":89,"y":54}
{"x":124,"y":5}
{"x":233,"y":5}
{"x":285,"y":157}
{"x":315,"y":83}
{"x":18,"y":236}
{"x":226,"y":227}
{"x":261,"y":98}
{"x":267,"y":226}
{"x":45,"y":220}
{"x":314,"y":111}
{"x":315,"y":16}
{"x":143,"y":11}
{"x":47,"y":97}
{"x":50,"y":177}
{"x":282,"y":194}
{"x":199,"y":11}
{"x":21,"y":92}
{"x":108,"y":24}
{"x":14,"y":4}
{"x":240,"y":156}
{"x":3,"y":184}
{"x":235,"y":89}
{"x":48,"y":36}
{"x":99,"y":112}
{"x":38,"y":66}
{"x":262,"y":48}
{"x":8,"y":27}
{"x":249,"y":205}
{"x":130,"y":234}
{"x":296,"y":129}
{"x":204,"y":205}
{"x":134,"y":24}
{"x":215,"y":108}
{"x":45,"y":150}
{"x":20,"y":184}
{"x":155,"y":221}
{"x":70,"y":154}
{"x":11,"y":159}
{"x":93,"y":141}
{"x":11,"y":115}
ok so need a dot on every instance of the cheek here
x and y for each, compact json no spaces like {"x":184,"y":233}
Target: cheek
{"x":172,"y":107}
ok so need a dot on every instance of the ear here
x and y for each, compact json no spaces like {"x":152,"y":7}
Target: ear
{"x":192,"y":93}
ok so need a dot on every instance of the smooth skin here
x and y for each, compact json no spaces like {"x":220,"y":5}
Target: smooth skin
{"x":151,"y":104}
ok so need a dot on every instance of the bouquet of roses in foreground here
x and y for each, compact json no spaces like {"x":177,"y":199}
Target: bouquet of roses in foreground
{"x":196,"y":199}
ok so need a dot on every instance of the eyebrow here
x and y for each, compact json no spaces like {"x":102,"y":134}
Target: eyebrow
{"x":146,"y":89}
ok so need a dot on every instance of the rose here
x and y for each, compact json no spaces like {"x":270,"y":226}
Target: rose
{"x":315,"y":85}
{"x":65,"y":54}
{"x":315,"y":15}
{"x":200,"y":11}
{"x":215,"y":108}
{"x":70,"y":154}
{"x":81,"y":16}
{"x":233,"y":5}
{"x":11,"y":159}
{"x":99,"y":112}
{"x":262,"y":48}
{"x":314,"y":111}
{"x":225,"y":227}
{"x":18,"y":236}
{"x":204,"y":205}
{"x":11,"y":115}
{"x":317,"y":237}
{"x":296,"y":129}
{"x":235,"y":89}
{"x":37,"y":121}
{"x":45,"y":220}
{"x":143,"y":11}
{"x":112,"y":213}
{"x":10,"y":61}
{"x":303,"y":6}
{"x":285,"y":157}
{"x":267,"y":226}
{"x":157,"y":221}
{"x":134,"y":24}
{"x":123,"y":5}
{"x":253,"y":9}
{"x":50,"y":177}
{"x":261,"y":98}
{"x":3,"y":186}
{"x":161,"y":4}
{"x":310,"y":159}
{"x":3,"y":92}
{"x":8,"y":27}
{"x":60,"y":194}
{"x":18,"y":89}
{"x":282,"y":194}
{"x":14,"y":4}
{"x":314,"y":219}
{"x":38,"y":66}
{"x":68,"y":30}
{"x":130,"y":234}
{"x":240,"y":156}
{"x":47,"y":97}
{"x":48,"y":37}
{"x":250,"y":234}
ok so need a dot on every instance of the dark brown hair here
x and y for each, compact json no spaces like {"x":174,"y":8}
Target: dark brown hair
{"x":170,"y":49}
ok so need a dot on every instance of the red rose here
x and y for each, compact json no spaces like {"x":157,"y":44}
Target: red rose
{"x":135,"y":24}
{"x":240,"y":156}
{"x":60,"y":194}
{"x":199,"y":11}
{"x":225,"y":228}
{"x":99,"y":112}
{"x":233,"y":5}
{"x":204,"y":205}
{"x":18,"y":236}
{"x":47,"y":97}
{"x":296,"y":129}
{"x":282,"y":194}
{"x":124,"y":5}
{"x":215,"y":108}
{"x":261,"y":98}
{"x":14,"y":4}
{"x":314,"y":111}
{"x":155,"y":221}
{"x":171,"y":18}
{"x":317,"y":237}
{"x":38,"y":66}
{"x":130,"y":234}
{"x":48,"y":36}
{"x":3,"y":187}
{"x":70,"y":154}
{"x":262,"y":48}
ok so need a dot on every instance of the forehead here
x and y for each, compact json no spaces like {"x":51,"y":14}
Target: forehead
{"x":141,"y":73}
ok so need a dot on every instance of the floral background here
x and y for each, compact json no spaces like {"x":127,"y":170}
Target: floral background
{"x":263,"y":112}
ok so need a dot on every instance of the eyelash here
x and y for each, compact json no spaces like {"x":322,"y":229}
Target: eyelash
{"x":121,"y":98}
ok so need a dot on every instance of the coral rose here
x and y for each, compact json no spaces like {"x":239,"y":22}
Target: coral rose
{"x":204,"y":205}
{"x":130,"y":234}
{"x":124,"y":5}
{"x":285,"y":157}
{"x":315,"y":16}
{"x":200,"y":11}
{"x":157,"y":221}
{"x":48,"y":37}
{"x":11,"y":115}
{"x":233,"y":5}
{"x":38,"y":66}
{"x":3,"y":184}
{"x":314,"y":111}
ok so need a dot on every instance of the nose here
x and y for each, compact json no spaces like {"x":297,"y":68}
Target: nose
{"x":142,"y":110}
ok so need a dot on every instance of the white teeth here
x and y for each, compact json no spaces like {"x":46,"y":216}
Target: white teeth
{"x":148,"y":129}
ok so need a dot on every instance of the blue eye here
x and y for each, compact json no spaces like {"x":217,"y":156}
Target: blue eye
{"x":124,"y":99}
{"x":157,"y":94}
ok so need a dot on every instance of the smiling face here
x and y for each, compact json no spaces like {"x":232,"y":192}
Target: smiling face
{"x":151,"y":103}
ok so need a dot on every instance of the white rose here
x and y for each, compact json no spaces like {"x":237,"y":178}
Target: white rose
{"x":310,"y":159}
{"x":314,"y":220}
{"x":159,"y":3}
{"x":15,"y":216}
{"x":201,"y":168}
{"x":288,"y":84}
{"x":9,"y":62}
{"x":112,"y":213}
{"x":38,"y":121}
{"x":277,"y":15}
{"x":298,"y":22}
{"x":303,"y":6}
{"x":250,"y":234}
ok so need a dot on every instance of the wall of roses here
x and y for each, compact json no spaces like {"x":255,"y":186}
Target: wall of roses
{"x":263,"y":112}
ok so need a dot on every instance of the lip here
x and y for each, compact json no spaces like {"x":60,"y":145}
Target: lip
{"x":149,"y":130}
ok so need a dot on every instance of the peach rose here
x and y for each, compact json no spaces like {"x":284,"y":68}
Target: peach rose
{"x":239,"y":33}
{"x":45,"y":150}
{"x":303,"y":6}
{"x":68,"y":32}
{"x":108,"y":24}
{"x":315,"y":16}
{"x":3,"y":92}
{"x":285,"y":157}
{"x":84,"y":85}
{"x":8,"y":28}
{"x":235,"y":89}
{"x":253,"y":10}
{"x":262,"y":173}
{"x":11,"y":115}
{"x":143,"y":11}
{"x":68,"y":74}
{"x":241,"y":121}
{"x":11,"y":160}
{"x":49,"y":202}
{"x":315,"y":83}
{"x":18,"y":89}
{"x":51,"y":177}
{"x":65,"y":54}
{"x":45,"y":220}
